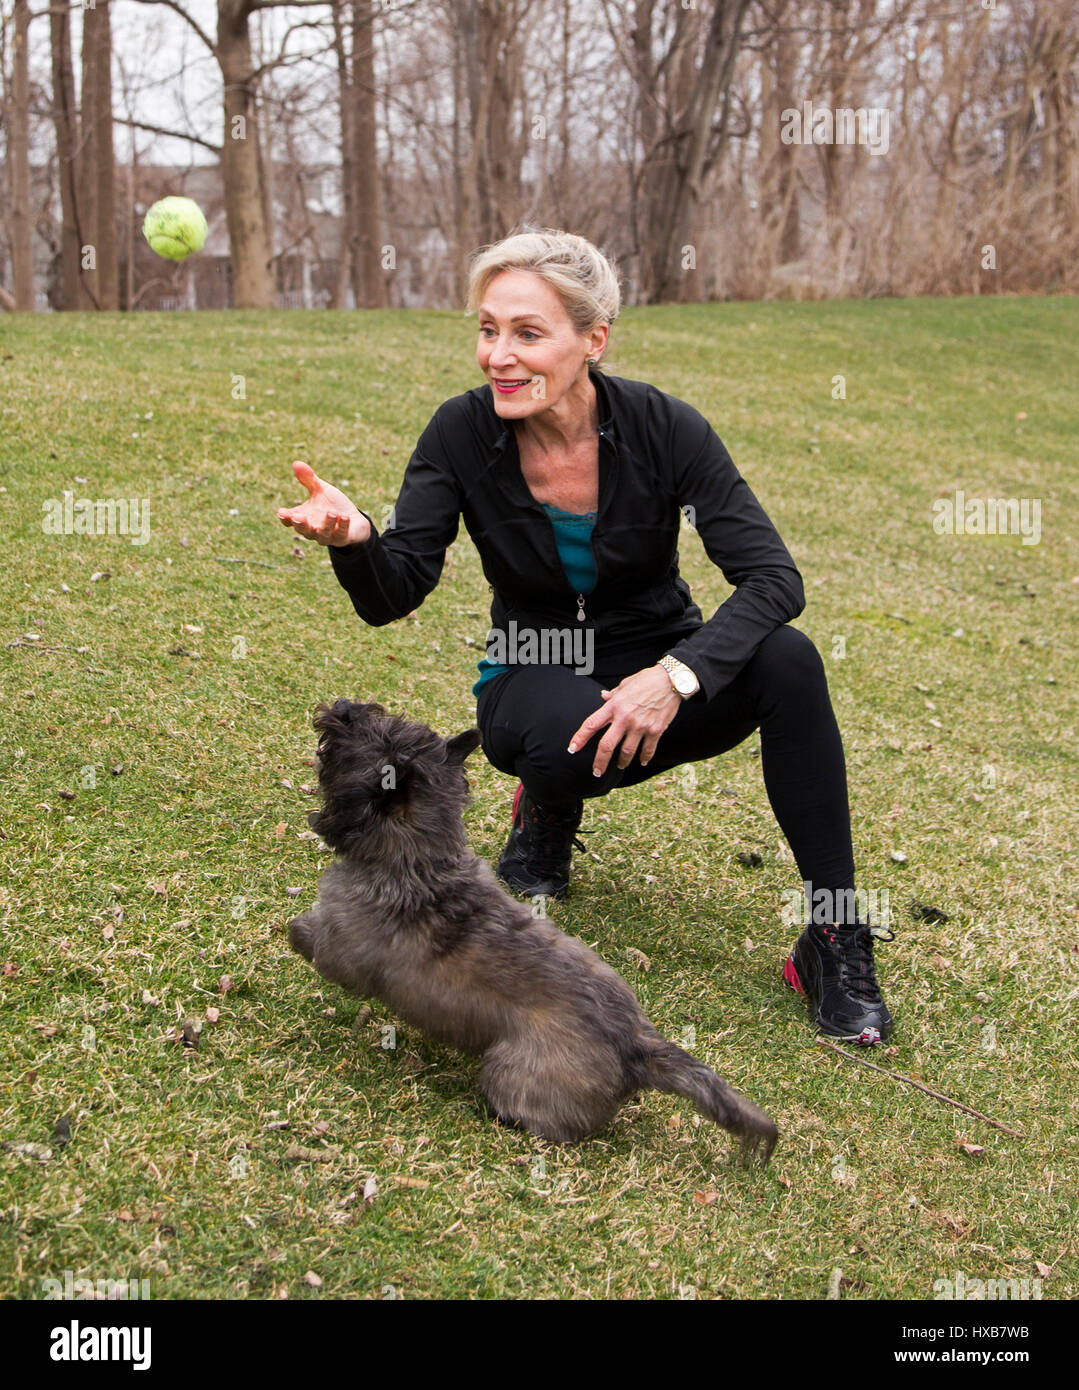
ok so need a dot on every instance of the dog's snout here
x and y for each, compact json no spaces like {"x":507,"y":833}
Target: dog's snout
{"x":343,"y":709}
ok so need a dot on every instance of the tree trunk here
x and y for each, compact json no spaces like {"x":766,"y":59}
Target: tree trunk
{"x":22,"y":256}
{"x":86,"y":161}
{"x":63,"y":108}
{"x":462,"y":188}
{"x":369,"y":279}
{"x":98,"y":152}
{"x":252,"y":280}
{"x":501,"y":22}
{"x":344,"y":102}
{"x":681,"y":161}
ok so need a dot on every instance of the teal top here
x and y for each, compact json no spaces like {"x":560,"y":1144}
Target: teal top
{"x":573,"y":537}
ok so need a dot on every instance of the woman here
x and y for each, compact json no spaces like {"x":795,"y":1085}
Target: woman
{"x":601,"y":671}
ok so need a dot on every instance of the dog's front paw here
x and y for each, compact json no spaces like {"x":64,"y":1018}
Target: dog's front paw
{"x":301,"y":935}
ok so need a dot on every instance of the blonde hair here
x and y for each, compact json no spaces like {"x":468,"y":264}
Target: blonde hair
{"x":579,"y":273}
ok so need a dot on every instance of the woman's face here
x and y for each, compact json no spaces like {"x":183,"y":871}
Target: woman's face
{"x":528,"y":348}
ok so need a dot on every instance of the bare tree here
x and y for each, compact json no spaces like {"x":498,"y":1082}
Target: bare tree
{"x":18,"y":124}
{"x":65,"y":120}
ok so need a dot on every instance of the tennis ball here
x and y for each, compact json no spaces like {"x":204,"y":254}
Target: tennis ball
{"x":175,"y":227}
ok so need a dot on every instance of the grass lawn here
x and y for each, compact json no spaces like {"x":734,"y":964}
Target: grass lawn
{"x":155,"y":752}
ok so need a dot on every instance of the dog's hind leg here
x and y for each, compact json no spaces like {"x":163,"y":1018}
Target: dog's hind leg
{"x":556,"y":1097}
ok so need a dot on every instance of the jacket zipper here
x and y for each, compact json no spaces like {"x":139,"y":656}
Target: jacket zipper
{"x":599,"y":503}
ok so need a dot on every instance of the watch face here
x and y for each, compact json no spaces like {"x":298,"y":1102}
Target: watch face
{"x":683,"y":683}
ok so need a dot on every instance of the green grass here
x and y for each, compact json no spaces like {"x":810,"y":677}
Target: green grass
{"x":172,"y":697}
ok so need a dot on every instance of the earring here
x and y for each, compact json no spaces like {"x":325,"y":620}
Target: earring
{"x":591,"y":361}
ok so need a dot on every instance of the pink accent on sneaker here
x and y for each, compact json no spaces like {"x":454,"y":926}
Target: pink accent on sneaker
{"x":791,"y":976}
{"x":517,"y":799}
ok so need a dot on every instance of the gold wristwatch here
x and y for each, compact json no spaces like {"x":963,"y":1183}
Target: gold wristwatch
{"x":682,"y":678}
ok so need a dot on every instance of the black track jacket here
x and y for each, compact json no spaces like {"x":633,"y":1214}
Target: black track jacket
{"x":659,"y":459}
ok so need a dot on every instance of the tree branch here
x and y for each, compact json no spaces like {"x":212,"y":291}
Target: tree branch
{"x":172,"y":134}
{"x":173,"y":5}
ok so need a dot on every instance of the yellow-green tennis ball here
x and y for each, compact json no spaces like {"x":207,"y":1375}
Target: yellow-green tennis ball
{"x":175,"y":227}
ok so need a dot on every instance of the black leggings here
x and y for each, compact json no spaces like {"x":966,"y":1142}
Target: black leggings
{"x":527,"y":716}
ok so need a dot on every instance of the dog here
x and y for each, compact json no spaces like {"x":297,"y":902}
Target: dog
{"x":407,"y":914}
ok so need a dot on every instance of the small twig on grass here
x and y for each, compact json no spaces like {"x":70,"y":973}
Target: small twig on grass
{"x":898,"y":1076}
{"x":37,"y":647}
{"x":228,"y":560}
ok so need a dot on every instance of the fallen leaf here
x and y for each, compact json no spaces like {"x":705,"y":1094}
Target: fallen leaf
{"x":370,"y":1190}
{"x":296,"y":1153}
{"x":708,"y":1198}
{"x":1044,"y":1271}
{"x":212,"y":1014}
{"x":639,"y":959}
{"x":279,"y":829}
{"x":38,"y":1152}
{"x":972,"y":1149}
{"x":312,"y":1278}
{"x":225,"y":983}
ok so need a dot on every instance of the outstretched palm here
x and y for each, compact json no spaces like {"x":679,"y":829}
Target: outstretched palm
{"x":327,"y":516}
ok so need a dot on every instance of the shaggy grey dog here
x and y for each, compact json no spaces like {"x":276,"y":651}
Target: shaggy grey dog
{"x":409,"y":915}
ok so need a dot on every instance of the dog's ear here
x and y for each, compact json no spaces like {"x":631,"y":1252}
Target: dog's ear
{"x":459,"y":747}
{"x":343,"y":713}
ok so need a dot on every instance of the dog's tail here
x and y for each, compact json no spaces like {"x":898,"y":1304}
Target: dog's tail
{"x":670,"y":1069}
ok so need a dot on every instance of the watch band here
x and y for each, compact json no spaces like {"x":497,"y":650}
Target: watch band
{"x":683,"y":679}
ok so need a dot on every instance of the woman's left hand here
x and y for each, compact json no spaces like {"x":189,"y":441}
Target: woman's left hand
{"x":638,"y":710}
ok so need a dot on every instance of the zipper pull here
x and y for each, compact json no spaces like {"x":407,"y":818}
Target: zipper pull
{"x":580,"y":608}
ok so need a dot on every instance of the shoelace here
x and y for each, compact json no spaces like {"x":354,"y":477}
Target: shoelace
{"x":548,"y":840}
{"x":854,"y":950}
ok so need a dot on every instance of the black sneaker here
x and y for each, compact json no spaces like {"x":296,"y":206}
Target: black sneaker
{"x":536,"y":858}
{"x":833,"y":967}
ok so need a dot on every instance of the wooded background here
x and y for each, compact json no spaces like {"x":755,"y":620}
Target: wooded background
{"x":355,"y":152}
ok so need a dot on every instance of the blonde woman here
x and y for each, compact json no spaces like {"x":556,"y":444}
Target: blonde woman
{"x":601,"y":670}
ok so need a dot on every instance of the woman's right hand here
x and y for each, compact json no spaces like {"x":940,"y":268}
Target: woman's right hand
{"x":327,"y":516}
